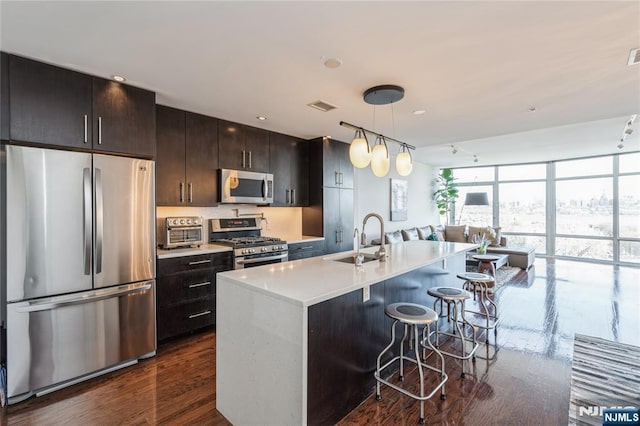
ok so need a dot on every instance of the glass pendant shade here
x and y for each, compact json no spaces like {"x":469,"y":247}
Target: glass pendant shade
{"x":380,"y":160}
{"x":404,"y":165}
{"x":359,"y":151}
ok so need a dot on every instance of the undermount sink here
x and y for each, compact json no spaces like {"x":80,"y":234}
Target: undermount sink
{"x":352,"y":258}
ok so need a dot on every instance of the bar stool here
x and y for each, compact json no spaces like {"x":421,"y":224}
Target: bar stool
{"x":473,"y":282}
{"x":411,"y":315}
{"x":453,"y":297}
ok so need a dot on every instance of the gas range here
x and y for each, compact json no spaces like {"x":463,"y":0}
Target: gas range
{"x":249,"y":247}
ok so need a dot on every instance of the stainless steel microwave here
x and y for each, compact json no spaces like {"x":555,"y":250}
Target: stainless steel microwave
{"x":239,"y":186}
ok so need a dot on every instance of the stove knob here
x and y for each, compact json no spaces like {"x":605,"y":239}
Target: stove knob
{"x":253,"y":250}
{"x":264,"y":249}
{"x":188,"y":221}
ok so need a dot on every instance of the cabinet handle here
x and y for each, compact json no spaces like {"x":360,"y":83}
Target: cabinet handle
{"x":99,"y":130}
{"x":337,"y":178}
{"x":190,"y":192}
{"x":200,"y":284}
{"x":86,"y":131}
{"x":341,"y":178}
{"x":305,"y":248}
{"x":199,"y":262}
{"x":243,"y":159}
{"x":182,"y":192}
{"x":249,"y":159}
{"x":293,"y":196}
{"x":199,"y":314}
{"x":337,"y":237}
{"x":286,"y":198}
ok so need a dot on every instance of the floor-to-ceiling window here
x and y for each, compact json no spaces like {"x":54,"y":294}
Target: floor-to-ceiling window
{"x":629,"y":208}
{"x":581,"y":208}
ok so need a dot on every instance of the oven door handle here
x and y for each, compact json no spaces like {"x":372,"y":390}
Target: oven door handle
{"x":261,"y":259}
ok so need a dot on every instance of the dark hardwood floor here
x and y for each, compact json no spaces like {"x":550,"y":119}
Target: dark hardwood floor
{"x":526,"y":381}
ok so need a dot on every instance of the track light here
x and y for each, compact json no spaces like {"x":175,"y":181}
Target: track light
{"x":475,"y":158}
{"x":621,"y":144}
{"x":454,"y":151}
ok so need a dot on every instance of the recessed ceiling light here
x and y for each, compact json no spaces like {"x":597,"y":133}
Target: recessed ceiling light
{"x":332,"y":63}
{"x":261,"y":117}
{"x":532,"y":109}
{"x":419,"y":112}
{"x":118,"y":78}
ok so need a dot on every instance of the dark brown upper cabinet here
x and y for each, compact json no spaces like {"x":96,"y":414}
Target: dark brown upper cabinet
{"x":54,"y":106}
{"x":186,"y":162}
{"x":338,"y":170}
{"x":243,"y":147}
{"x":289,"y":165}
{"x":123,"y":118}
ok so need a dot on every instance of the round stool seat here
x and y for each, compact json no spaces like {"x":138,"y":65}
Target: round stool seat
{"x":411,"y":313}
{"x":476,"y":277}
{"x":448,"y":293}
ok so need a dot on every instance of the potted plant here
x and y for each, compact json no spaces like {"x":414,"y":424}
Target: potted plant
{"x":446,"y":194}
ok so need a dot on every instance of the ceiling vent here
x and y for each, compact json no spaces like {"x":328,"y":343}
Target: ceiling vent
{"x":634,"y":56}
{"x":321,"y":105}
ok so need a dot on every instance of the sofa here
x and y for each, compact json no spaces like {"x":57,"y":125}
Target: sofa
{"x":521,"y":257}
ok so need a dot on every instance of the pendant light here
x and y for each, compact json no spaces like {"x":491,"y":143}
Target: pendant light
{"x":380,"y":158}
{"x":361,"y":155}
{"x":404,"y":162}
{"x":359,"y":151}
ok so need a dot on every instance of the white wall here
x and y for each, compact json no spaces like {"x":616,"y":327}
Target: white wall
{"x":372,"y":194}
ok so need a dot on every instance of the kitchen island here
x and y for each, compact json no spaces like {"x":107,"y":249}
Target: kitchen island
{"x":297,"y":341}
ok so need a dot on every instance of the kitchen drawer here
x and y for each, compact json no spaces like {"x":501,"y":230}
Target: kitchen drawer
{"x":306,"y":249}
{"x":180,"y":319}
{"x":217,"y":261}
{"x":179,"y":288}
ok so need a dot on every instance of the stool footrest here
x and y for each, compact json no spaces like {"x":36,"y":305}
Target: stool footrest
{"x":455,"y":336}
{"x":406,"y":392}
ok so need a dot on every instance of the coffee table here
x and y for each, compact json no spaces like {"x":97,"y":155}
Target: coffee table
{"x":487,"y":262}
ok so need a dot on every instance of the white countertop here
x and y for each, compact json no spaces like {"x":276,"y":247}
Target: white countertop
{"x":191,"y":251}
{"x":309,"y":281}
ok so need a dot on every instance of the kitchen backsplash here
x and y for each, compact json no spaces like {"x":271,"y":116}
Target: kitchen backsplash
{"x":282,"y":222}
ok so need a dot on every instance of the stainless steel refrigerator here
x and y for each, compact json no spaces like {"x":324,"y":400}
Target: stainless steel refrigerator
{"x":80,"y":266}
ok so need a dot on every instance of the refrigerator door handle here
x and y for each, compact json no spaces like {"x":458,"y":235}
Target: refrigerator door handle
{"x":37,"y":306}
{"x":86,"y":181}
{"x":99,"y":220}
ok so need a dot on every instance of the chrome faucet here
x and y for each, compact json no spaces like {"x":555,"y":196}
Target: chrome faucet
{"x":382,"y":253}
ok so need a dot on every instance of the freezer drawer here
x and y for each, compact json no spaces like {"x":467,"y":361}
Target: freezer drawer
{"x":61,"y":338}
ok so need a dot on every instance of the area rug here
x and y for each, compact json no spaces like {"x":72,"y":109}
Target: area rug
{"x":503,"y":274}
{"x":603,"y":374}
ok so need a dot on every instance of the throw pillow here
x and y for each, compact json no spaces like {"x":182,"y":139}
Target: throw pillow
{"x":433,"y":237}
{"x":393,"y":237}
{"x":495,"y":241}
{"x":425,"y":232}
{"x":455,"y":234}
{"x":410,"y":234}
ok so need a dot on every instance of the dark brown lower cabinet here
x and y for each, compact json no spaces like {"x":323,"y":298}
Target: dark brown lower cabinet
{"x":346,"y":335}
{"x":305,"y":249}
{"x":186,"y":292}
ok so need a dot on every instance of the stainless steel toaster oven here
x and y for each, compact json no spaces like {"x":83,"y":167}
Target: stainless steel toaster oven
{"x":185,"y":231}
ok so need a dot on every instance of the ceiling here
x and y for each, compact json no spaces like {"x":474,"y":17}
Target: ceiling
{"x":475,"y":67}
